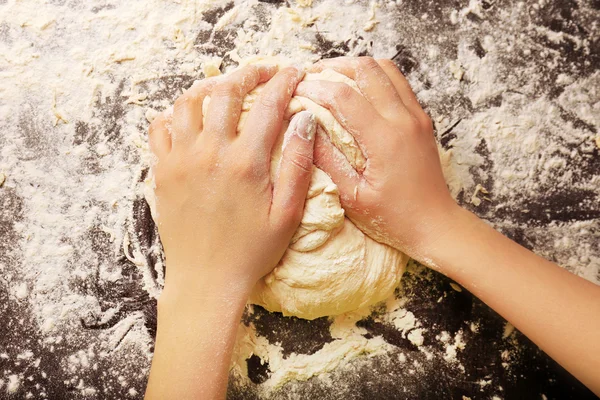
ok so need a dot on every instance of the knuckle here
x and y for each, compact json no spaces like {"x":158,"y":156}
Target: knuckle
{"x":342,"y":92}
{"x":179,"y":172}
{"x":247,"y":78}
{"x":208,"y":161}
{"x":252,"y":72}
{"x":302,"y":161}
{"x":200,"y":85}
{"x":291,"y":74}
{"x":159,"y":178}
{"x":412,"y":124}
{"x":270,"y":101}
{"x":200,"y":89}
{"x":367,"y":64}
{"x":387,"y":63}
{"x":183,"y":101}
{"x":426,"y":123}
{"x":169,"y":175}
{"x":154,"y":126}
{"x":158,"y":123}
{"x":244,"y":169}
{"x":227,"y":89}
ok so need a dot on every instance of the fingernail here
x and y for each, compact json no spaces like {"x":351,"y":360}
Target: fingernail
{"x":304,"y":125}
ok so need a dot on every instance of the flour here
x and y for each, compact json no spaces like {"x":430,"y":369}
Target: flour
{"x":452,"y":348}
{"x":348,"y":344}
{"x":14,"y":381}
{"x":81,"y":80}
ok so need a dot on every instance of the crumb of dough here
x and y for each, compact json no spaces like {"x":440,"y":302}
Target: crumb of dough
{"x":508,"y":330}
{"x":14,"y":382}
{"x":372,"y":21}
{"x":416,"y":336}
{"x":457,"y":70}
{"x":476,"y":201}
{"x":150,"y":114}
{"x":212,"y":67}
{"x":369,"y":26}
{"x":455,"y":287}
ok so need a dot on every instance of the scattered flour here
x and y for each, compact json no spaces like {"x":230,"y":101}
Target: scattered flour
{"x":14,"y":382}
{"x":452,"y":347}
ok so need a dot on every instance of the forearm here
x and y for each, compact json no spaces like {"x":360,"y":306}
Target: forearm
{"x":557,"y":310}
{"x":195,"y":337}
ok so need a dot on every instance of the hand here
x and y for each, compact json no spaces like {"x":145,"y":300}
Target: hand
{"x":220,"y":218}
{"x":401,"y":198}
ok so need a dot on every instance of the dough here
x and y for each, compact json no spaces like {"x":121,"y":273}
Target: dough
{"x":330,"y":267}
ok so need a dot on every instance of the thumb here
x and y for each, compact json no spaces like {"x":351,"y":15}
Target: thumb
{"x":295,"y":170}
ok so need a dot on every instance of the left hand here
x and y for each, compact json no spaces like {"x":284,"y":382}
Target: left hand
{"x":220,"y":218}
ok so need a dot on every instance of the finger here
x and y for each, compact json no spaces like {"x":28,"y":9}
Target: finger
{"x":372,"y":81}
{"x":404,"y":90}
{"x":329,"y":159}
{"x":265,"y":118}
{"x":349,"y":108}
{"x":187,"y":113}
{"x":295,"y":170}
{"x":159,"y":137}
{"x":226,"y":100}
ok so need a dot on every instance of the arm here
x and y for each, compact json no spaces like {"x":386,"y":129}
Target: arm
{"x":222,"y":222}
{"x":401,"y":199}
{"x":195,"y":337}
{"x":557,"y":310}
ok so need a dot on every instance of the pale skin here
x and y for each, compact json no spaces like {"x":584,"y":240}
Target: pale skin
{"x":217,"y":247}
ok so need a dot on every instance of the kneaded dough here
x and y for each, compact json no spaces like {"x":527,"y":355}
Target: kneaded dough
{"x":331,"y":266}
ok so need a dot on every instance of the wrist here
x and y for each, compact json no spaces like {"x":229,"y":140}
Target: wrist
{"x":195,"y":286}
{"x":440,"y":233}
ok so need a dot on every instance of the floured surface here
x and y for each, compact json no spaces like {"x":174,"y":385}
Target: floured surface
{"x":513,"y":91}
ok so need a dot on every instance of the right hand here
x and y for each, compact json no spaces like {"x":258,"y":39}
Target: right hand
{"x":401,"y":197}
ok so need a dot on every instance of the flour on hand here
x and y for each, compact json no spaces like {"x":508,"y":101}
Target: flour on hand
{"x":330,"y":267}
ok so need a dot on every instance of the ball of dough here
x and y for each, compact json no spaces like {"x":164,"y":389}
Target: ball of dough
{"x":331,"y":266}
